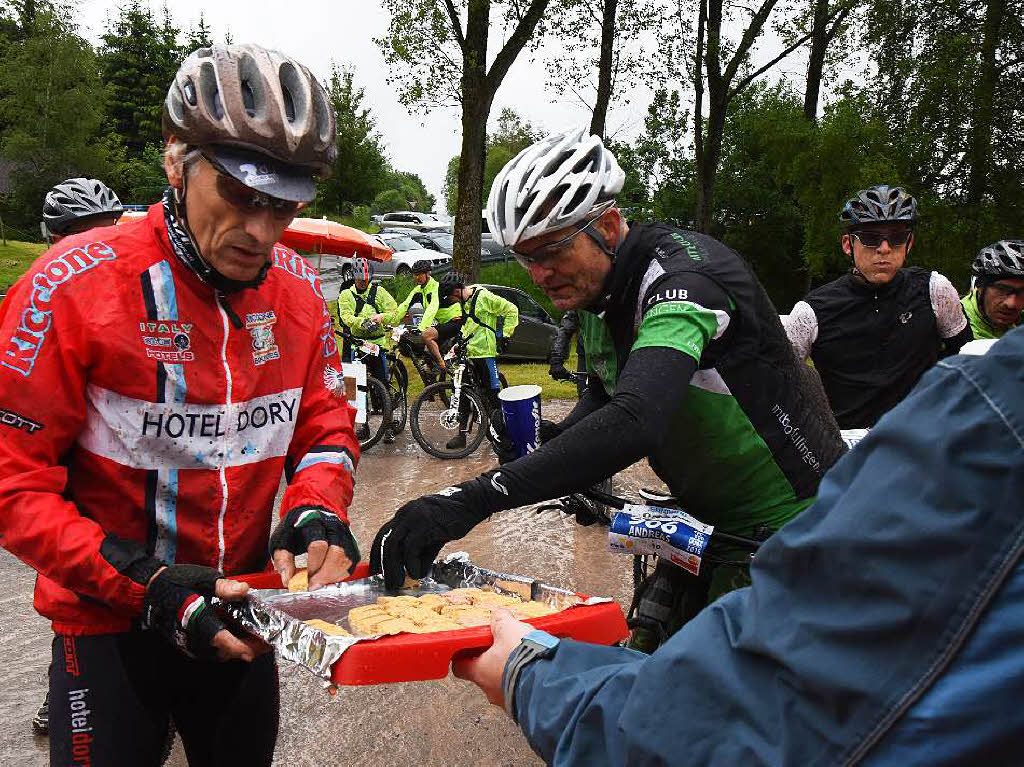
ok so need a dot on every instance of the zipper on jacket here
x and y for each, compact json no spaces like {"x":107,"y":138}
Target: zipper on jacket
{"x":225,"y":312}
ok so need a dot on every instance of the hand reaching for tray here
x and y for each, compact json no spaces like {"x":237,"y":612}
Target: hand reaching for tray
{"x":486,"y":670}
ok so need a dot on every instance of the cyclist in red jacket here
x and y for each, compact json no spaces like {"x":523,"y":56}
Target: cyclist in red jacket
{"x":156,"y":380}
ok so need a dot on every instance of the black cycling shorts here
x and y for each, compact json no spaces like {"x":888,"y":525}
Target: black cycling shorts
{"x":111,"y":696}
{"x":446,"y":331}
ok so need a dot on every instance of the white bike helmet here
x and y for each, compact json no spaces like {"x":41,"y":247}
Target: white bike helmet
{"x":555,"y":183}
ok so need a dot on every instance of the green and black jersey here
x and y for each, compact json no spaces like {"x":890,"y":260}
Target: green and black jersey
{"x":752,"y":434}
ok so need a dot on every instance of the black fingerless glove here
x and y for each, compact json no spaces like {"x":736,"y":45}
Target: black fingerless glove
{"x":305,"y":524}
{"x":176,"y":608}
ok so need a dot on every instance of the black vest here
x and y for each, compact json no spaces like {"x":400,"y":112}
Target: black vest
{"x":874,"y":342}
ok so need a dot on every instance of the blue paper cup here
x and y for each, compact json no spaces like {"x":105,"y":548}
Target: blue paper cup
{"x":520,"y":405}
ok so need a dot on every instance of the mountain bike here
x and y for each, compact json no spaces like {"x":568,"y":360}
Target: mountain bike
{"x":378,"y":398}
{"x":450,"y":418}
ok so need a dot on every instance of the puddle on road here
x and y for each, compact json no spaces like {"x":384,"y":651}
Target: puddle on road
{"x":428,"y":723}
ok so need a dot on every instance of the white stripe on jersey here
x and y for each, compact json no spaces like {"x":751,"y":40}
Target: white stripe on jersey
{"x":154,"y":435}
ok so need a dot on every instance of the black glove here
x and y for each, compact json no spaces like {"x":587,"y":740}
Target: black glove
{"x":175,"y":607}
{"x":410,"y":542}
{"x":549,"y":430}
{"x":498,"y":436}
{"x":503,"y":344}
{"x":305,"y":524}
{"x":559,"y":373}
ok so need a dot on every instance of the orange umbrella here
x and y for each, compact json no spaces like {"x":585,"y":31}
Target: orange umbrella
{"x":319,"y":235}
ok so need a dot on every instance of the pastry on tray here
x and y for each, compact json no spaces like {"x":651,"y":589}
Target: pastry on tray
{"x":447,"y":611}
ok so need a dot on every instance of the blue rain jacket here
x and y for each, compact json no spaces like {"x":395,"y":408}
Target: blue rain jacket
{"x":884,"y":625}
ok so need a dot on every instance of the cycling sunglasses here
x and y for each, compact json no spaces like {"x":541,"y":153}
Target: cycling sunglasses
{"x":247,"y":200}
{"x":1004,"y":291}
{"x":871,"y":239}
{"x":551,"y":251}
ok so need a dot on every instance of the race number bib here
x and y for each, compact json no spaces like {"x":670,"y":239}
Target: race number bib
{"x":666,"y":533}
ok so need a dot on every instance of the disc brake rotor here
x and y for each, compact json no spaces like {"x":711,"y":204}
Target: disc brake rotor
{"x":450,"y":419}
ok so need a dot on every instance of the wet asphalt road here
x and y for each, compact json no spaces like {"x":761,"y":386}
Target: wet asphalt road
{"x":441,"y":722}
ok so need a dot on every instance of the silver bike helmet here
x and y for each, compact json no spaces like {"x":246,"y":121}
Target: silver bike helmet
{"x":1001,"y":259}
{"x":553,"y":184}
{"x":75,"y":200}
{"x":879,"y":204}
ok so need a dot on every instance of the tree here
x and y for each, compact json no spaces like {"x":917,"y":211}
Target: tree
{"x":51,"y":107}
{"x":608,"y":41}
{"x":199,"y":36}
{"x":827,"y":22}
{"x":723,"y":69}
{"x":361,"y":170}
{"x":389,"y":201}
{"x":138,"y":60}
{"x":658,"y":165}
{"x":759,"y":212}
{"x":958,"y":81}
{"x":439,"y":54}
{"x":512,"y":136}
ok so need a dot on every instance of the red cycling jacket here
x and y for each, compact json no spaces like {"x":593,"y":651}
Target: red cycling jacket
{"x":136,"y":403}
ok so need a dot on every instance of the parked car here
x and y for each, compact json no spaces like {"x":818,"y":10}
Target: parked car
{"x":413,"y":220}
{"x":488,"y":245}
{"x":442,"y":242}
{"x":536,"y":330}
{"x":400,"y":230}
{"x":406,"y":253}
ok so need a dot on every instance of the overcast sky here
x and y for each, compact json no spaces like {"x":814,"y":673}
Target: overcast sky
{"x":319,"y":32}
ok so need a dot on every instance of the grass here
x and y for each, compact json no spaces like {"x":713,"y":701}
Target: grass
{"x":15,"y":259}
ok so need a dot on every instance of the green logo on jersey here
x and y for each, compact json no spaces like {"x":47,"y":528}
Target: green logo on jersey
{"x":691,"y":249}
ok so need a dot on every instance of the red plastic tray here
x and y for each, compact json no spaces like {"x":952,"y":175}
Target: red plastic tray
{"x":417,"y":657}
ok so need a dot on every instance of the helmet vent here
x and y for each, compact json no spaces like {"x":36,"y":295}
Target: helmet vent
{"x":323,"y":115}
{"x":578,"y":198}
{"x":253,"y":91}
{"x":190,"y":92}
{"x":295,"y":106}
{"x":209,"y":92}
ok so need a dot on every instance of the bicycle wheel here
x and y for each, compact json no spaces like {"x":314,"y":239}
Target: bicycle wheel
{"x":435,"y":424}
{"x":378,"y":414}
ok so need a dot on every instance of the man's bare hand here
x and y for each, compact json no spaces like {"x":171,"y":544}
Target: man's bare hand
{"x":486,"y":670}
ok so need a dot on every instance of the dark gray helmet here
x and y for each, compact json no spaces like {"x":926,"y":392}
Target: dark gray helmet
{"x":76,"y":199}
{"x":451,"y":281}
{"x":421,"y":267}
{"x":1001,"y":259}
{"x":878,"y":204}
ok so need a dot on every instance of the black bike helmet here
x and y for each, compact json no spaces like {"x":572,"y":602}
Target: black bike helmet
{"x":451,"y":282}
{"x":879,"y":204}
{"x":421,"y":267}
{"x":75,"y":200}
{"x":1001,"y":259}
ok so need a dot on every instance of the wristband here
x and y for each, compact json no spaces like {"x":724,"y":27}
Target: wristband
{"x":534,"y":645}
